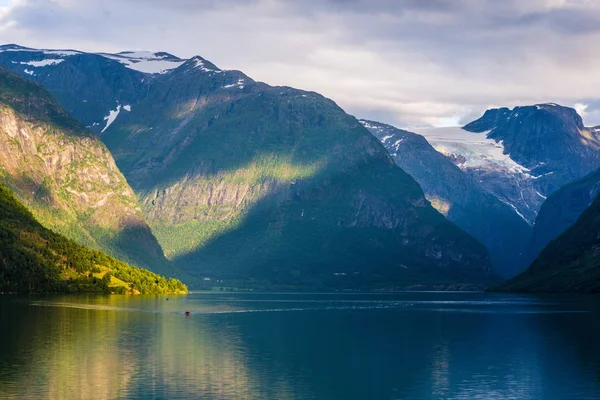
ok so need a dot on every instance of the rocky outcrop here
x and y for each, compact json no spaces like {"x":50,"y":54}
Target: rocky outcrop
{"x":68,"y":178}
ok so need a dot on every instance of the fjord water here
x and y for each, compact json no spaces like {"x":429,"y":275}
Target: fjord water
{"x":301,"y":346}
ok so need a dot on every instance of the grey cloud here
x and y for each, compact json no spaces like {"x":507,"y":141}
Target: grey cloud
{"x":405,"y":62}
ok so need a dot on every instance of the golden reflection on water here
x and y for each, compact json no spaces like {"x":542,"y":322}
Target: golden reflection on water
{"x":98,"y":351}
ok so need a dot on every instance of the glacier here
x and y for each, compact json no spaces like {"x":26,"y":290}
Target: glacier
{"x":476,"y":149}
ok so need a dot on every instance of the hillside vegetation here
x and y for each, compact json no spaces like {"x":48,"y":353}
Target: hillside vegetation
{"x":34,"y":259}
{"x":68,"y":179}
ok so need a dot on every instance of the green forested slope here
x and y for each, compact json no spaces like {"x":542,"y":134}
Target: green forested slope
{"x":34,"y":259}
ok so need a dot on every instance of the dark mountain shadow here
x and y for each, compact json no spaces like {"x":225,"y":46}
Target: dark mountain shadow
{"x":344,"y":229}
{"x":560,"y":211}
{"x":137,"y":245}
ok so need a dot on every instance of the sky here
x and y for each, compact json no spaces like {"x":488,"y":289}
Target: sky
{"x":404,"y":62}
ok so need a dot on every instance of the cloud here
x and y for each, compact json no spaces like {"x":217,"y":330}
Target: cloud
{"x":408,"y":62}
{"x":581,"y":109}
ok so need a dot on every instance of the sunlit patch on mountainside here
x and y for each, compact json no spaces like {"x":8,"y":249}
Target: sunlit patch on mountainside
{"x":442,"y":205}
{"x":67,"y":177}
{"x":208,"y":207}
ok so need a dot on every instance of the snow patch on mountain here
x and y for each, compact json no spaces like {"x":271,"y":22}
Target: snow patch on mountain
{"x":391,"y":147}
{"x":64,"y":53}
{"x":370,"y":125}
{"x":479,"y":157}
{"x":239,"y":83}
{"x":484,"y":159}
{"x":111,"y":117}
{"x":474,"y":150}
{"x":43,"y":63}
{"x":143,"y":55}
{"x":146,"y":62}
{"x":517,"y":211}
{"x":143,"y":61}
{"x":199,"y":64}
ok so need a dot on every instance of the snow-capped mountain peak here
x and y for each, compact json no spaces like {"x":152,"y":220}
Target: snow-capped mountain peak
{"x":199,"y":63}
{"x":142,"y":61}
{"x":147,"y":55}
{"x":145,"y":61}
{"x":48,"y":52}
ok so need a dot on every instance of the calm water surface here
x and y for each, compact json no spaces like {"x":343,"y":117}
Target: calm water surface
{"x":301,"y":346}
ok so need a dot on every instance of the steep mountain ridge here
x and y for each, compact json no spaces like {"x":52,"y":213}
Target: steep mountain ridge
{"x":561,"y":210}
{"x":457,"y":195}
{"x":243,"y":182}
{"x":569,"y":263}
{"x":256,"y":183}
{"x":68,"y":178}
{"x":523,"y":155}
{"x":97,"y":88}
{"x":549,"y":141}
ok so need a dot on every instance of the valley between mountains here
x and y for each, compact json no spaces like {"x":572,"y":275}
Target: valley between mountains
{"x":203,"y":174}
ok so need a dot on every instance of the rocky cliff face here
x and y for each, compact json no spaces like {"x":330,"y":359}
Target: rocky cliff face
{"x":67,"y":177}
{"x":457,"y":195}
{"x":245,"y":182}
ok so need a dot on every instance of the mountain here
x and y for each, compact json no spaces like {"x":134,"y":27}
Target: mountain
{"x":251,"y":184}
{"x":548,"y":146}
{"x":457,"y":195}
{"x":570,"y":263}
{"x":34,"y":259}
{"x":561,"y":210}
{"x":66,"y":176}
{"x":533,"y":136}
{"x":522,"y":155}
{"x":95,"y":88}
{"x":484,"y":160}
